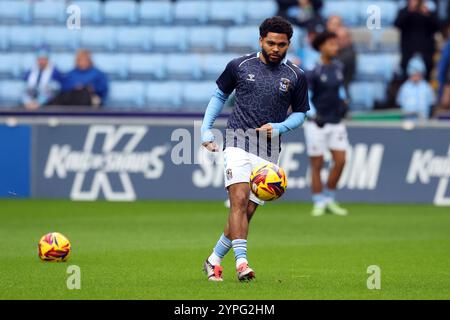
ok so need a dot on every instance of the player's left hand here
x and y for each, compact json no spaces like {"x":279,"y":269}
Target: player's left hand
{"x":267,"y":127}
{"x":211,"y":146}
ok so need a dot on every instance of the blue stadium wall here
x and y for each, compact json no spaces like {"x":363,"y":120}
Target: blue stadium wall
{"x":126,"y":162}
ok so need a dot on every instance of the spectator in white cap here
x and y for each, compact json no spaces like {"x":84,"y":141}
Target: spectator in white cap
{"x":416,"y":96}
{"x":43,"y":82}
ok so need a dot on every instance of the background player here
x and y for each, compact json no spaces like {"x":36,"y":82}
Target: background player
{"x":266,"y":85}
{"x":326,"y":131}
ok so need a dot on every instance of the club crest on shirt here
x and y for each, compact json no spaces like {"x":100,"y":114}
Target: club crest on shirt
{"x":284,"y":84}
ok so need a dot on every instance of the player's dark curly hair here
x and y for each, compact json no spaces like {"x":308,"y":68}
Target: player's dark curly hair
{"x":321,"y":38}
{"x":276,"y":24}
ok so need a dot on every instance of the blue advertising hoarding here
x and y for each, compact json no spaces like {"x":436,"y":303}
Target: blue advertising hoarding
{"x":130,"y":162}
{"x":15,"y":161}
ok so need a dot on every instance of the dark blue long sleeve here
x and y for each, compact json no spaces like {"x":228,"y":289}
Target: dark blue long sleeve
{"x":87,"y":78}
{"x":58,"y":76}
{"x":101,"y":86}
{"x":442,"y":68}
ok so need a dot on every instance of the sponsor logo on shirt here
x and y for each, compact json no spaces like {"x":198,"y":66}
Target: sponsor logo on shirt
{"x":251,"y":77}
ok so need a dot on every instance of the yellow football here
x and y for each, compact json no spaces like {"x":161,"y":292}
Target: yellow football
{"x":54,"y":247}
{"x":268,"y":182}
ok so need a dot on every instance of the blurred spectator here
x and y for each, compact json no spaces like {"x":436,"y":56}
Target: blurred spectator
{"x":417,"y":25}
{"x":444,"y":78}
{"x":416,"y":96}
{"x":306,"y":55}
{"x":85,"y":85}
{"x":43,"y":82}
{"x":306,"y":14}
{"x":334,"y":23}
{"x":444,"y":67}
{"x":284,"y":5}
{"x":443,"y":9}
{"x":346,"y":55}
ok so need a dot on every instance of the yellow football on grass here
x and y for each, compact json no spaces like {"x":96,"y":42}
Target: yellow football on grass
{"x":54,"y":247}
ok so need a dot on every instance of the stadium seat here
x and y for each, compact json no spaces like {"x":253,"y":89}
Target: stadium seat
{"x":298,"y":37}
{"x":208,"y":38}
{"x":376,"y":66}
{"x":226,"y":12}
{"x":60,"y":38}
{"x":362,"y":37}
{"x":242,"y":39}
{"x":169,"y":39}
{"x":24,"y":38}
{"x":364,"y":94}
{"x":11,"y":93}
{"x":4,"y":35}
{"x":388,"y":40}
{"x":133,"y":39}
{"x":98,"y":38}
{"x":163,"y":94}
{"x":214,"y":64}
{"x":146,"y":66}
{"x":369,"y":67}
{"x":28,"y":61}
{"x":379,"y":91}
{"x":91,"y":11}
{"x":120,"y":11}
{"x":348,"y":10}
{"x":191,"y":12}
{"x":10,"y":65}
{"x":257,"y":11}
{"x":183,"y":66}
{"x":15,"y":11}
{"x":196,"y":95}
{"x":155,"y":12}
{"x":114,"y":65}
{"x":49,"y":11}
{"x":63,"y":61}
{"x":126,"y":94}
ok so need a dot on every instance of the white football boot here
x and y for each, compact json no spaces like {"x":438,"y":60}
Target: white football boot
{"x":214,"y":273}
{"x":318,"y":209}
{"x":334,"y":208}
{"x":244,"y":272}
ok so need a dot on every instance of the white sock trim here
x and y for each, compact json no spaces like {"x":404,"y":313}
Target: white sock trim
{"x":214,"y":259}
{"x":241,"y":261}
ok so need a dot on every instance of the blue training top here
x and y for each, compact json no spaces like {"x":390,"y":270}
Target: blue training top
{"x":325,"y":83}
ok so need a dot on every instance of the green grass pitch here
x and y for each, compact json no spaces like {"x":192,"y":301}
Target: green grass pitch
{"x":155,"y":250}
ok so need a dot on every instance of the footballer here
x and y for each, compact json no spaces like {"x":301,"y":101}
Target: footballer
{"x":325,"y":131}
{"x":267,"y":86}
